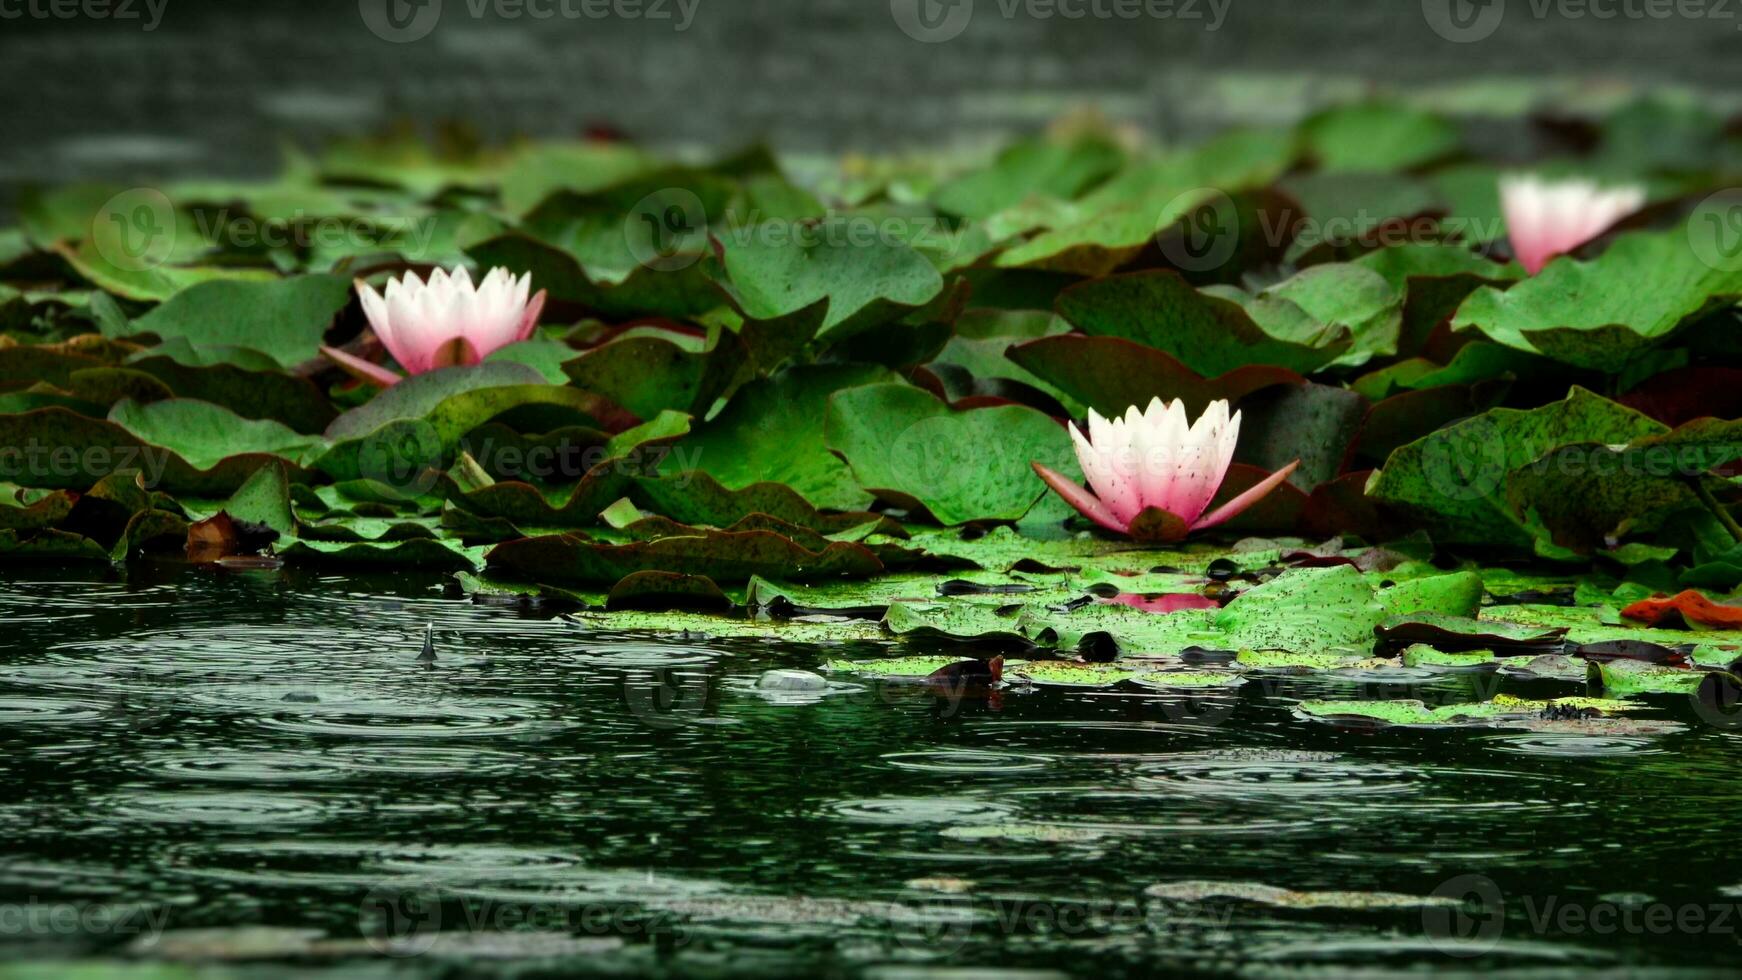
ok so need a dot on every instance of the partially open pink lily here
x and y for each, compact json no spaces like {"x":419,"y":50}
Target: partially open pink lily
{"x":443,"y":322}
{"x":1549,"y":218}
{"x":1156,"y":466}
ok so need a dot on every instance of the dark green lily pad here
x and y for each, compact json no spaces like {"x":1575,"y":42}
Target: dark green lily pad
{"x":725,"y":557}
{"x":284,"y":320}
{"x":1454,"y":480}
{"x":1212,"y":335}
{"x":1595,"y":314}
{"x":907,"y":447}
{"x":772,"y":431}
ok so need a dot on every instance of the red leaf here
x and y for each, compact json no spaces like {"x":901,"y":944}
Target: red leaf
{"x":1690,"y":608}
{"x":1164,"y":603}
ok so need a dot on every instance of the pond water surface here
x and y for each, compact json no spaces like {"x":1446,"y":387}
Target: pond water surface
{"x":248,"y":772}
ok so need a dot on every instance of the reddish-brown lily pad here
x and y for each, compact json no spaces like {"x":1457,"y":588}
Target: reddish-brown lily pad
{"x":1110,"y":374}
{"x":1689,"y":607}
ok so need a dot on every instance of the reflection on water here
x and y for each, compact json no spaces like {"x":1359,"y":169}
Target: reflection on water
{"x":258,"y":769}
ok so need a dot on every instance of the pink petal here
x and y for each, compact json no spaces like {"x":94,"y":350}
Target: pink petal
{"x":1198,"y":467}
{"x":534,"y":309}
{"x":1233,"y":508}
{"x":1105,"y":479}
{"x":1085,"y":502}
{"x":365,"y":371}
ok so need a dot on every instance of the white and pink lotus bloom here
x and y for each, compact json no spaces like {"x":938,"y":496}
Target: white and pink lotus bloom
{"x":1156,"y":460}
{"x":1549,"y":218}
{"x":443,"y":322}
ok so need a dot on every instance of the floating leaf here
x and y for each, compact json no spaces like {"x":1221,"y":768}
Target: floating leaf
{"x":909,"y":448}
{"x":772,"y":431}
{"x":1596,"y":314}
{"x":1305,"y":610}
{"x":1503,"y":711}
{"x":1454,"y":479}
{"x":1210,"y":334}
{"x":727,"y":557}
{"x":285,"y":319}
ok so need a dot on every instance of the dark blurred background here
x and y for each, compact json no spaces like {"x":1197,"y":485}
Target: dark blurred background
{"x":135,"y":89}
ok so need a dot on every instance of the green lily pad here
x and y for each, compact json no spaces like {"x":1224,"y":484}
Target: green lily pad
{"x":907,"y":447}
{"x":1210,"y":334}
{"x":1111,"y":374}
{"x":1453,"y":480}
{"x":1621,"y":678}
{"x":687,"y":625}
{"x":894,"y":668}
{"x":1189,"y":680}
{"x":1113,"y":224}
{"x":1503,"y":711}
{"x":205,"y":434}
{"x":644,"y":291}
{"x":1422,"y":655}
{"x":772,"y":431}
{"x":1326,"y":302}
{"x":1312,"y":661}
{"x":285,"y":319}
{"x":725,"y":557}
{"x":1065,"y":673}
{"x":1377,"y":137}
{"x":252,"y":394}
{"x":1596,"y":314}
{"x":1452,"y":594}
{"x":412,"y":553}
{"x":778,"y":270}
{"x":648,"y":375}
{"x":1305,"y":610}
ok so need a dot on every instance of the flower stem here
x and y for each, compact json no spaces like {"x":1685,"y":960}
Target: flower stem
{"x":1716,"y":508}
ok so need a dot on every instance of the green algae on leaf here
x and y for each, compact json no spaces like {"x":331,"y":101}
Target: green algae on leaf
{"x":894,"y":668}
{"x":1305,"y":610}
{"x":1503,"y":711}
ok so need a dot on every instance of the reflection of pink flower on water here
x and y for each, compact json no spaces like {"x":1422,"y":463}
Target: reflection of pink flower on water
{"x":1548,"y":218}
{"x":443,"y":322}
{"x":1157,"y":461}
{"x":1177,"y":602}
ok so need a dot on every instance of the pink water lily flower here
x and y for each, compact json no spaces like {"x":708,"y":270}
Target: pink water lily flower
{"x":444,"y":322}
{"x":1549,"y":218}
{"x":1156,"y":466}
